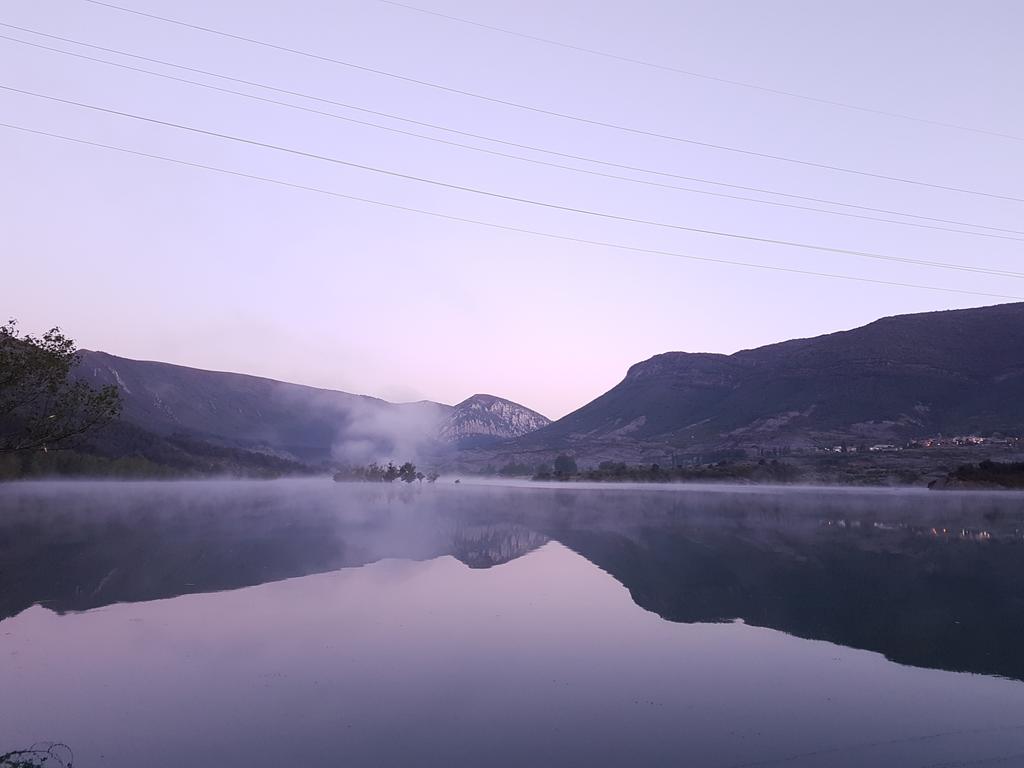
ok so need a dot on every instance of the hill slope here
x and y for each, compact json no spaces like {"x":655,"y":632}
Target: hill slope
{"x":295,"y":421}
{"x":954,"y":372}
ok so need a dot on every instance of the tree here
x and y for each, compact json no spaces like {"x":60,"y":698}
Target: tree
{"x":432,"y":477}
{"x":41,"y":404}
{"x":565,"y":465}
{"x":407,"y":472}
{"x":390,"y":474}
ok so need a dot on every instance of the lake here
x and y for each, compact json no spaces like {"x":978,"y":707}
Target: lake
{"x":314,"y":623}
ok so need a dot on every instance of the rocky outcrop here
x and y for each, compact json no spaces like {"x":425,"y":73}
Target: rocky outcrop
{"x":482,"y":419}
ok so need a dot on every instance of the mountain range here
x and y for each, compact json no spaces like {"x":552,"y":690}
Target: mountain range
{"x":295,"y":422}
{"x":896,"y":379}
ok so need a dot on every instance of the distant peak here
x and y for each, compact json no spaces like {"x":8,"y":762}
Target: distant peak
{"x":482,"y":415}
{"x":482,"y":398}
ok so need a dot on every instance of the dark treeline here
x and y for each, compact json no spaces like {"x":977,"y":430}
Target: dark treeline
{"x":992,"y":473}
{"x":377,"y":473}
{"x":564,"y":468}
{"x":764,"y":471}
{"x":123,"y":451}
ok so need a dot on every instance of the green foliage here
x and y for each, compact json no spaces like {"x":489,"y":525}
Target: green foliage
{"x":375,"y":473}
{"x":565,"y":466}
{"x":725,"y":471}
{"x":124,"y":451}
{"x":407,"y":472}
{"x":993,"y":473}
{"x":76,"y":464}
{"x":41,"y":405}
{"x":371,"y":473}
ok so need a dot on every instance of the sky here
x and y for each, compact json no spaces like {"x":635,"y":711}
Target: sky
{"x":154,"y":260}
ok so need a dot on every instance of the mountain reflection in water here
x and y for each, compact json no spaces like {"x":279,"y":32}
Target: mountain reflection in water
{"x":930,"y":580}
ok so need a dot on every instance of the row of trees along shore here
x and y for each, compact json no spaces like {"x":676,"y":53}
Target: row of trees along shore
{"x":376,"y":473}
{"x":565,"y":468}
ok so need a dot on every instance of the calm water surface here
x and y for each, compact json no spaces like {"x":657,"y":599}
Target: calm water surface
{"x":321,"y":624}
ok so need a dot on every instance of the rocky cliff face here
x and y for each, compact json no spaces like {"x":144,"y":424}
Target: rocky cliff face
{"x":482,"y":419}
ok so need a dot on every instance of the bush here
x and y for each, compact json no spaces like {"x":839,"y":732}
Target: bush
{"x":565,"y":466}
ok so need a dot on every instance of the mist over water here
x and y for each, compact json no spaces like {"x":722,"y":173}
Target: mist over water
{"x":311,"y":622}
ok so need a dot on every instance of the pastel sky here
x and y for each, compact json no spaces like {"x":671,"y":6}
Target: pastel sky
{"x":151,"y":260}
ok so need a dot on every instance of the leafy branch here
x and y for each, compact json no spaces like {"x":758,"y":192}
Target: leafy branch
{"x":42,"y":405}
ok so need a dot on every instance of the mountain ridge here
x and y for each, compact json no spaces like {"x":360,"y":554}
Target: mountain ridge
{"x":899,"y":377}
{"x":895,"y":379}
{"x":292,"y":421}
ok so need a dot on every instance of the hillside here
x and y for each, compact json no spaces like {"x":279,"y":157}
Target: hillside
{"x":292,"y":421}
{"x":954,"y":372}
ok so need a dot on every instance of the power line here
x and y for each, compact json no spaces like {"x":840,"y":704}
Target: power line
{"x":500,"y":154}
{"x":508,"y":228}
{"x":512,"y":198}
{"x":504,"y":142}
{"x":700,"y":75}
{"x":561,"y":115}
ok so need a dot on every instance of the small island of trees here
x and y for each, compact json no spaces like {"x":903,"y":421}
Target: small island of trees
{"x":377,"y":473}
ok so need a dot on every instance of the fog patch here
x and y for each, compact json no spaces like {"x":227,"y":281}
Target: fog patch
{"x":358,"y":429}
{"x":379,"y":431}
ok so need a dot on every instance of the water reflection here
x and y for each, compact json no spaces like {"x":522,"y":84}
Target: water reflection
{"x":931,"y":580}
{"x":309,"y":623}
